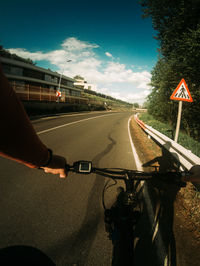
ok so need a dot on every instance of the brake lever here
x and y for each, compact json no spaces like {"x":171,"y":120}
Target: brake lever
{"x":68,"y":168}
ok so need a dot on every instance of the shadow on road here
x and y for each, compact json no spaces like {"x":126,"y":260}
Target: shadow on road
{"x":24,"y":255}
{"x":75,"y":249}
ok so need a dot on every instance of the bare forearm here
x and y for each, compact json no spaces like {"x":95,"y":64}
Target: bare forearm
{"x":18,"y":139}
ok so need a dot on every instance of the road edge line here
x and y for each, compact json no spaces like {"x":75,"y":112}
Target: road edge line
{"x":135,"y":155}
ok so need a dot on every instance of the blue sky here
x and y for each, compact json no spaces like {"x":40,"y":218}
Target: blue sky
{"x":108,"y":41}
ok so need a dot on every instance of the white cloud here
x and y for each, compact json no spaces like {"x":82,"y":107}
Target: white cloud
{"x":108,"y":54}
{"x":114,"y":79}
{"x":73,"y":44}
{"x":26,"y":54}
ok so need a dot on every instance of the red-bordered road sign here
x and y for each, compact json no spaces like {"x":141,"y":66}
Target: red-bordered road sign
{"x":182,"y":93}
{"x":58,"y":93}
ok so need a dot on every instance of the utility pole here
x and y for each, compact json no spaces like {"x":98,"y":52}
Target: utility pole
{"x":61,"y":77}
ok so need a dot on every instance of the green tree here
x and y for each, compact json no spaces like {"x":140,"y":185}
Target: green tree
{"x":7,"y":54}
{"x":136,"y":105}
{"x":78,"y":77}
{"x":177,"y":24}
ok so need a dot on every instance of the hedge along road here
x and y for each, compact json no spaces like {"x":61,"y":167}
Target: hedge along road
{"x":64,"y":217}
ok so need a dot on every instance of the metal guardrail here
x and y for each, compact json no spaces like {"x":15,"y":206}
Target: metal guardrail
{"x":185,"y":157}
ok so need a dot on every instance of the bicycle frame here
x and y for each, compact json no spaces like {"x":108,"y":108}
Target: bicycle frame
{"x":120,"y":221}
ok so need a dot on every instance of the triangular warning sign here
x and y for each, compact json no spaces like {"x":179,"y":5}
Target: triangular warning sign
{"x":182,"y":93}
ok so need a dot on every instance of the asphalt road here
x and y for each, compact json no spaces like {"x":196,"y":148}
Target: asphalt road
{"x":64,"y":217}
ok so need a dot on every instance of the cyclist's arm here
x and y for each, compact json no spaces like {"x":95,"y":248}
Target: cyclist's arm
{"x":18,"y":139}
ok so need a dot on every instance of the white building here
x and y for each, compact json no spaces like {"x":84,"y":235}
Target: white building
{"x":82,"y":84}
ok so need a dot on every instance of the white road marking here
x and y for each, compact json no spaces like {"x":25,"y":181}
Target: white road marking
{"x":66,"y":115}
{"x":71,"y":123}
{"x":135,"y":155}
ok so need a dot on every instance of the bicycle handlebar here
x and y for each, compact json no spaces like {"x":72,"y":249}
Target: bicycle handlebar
{"x":85,"y":167}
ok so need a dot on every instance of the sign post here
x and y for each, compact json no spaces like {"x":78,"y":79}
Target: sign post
{"x":180,"y":104}
{"x":180,"y":94}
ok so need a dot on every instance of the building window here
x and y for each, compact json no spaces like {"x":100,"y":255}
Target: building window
{"x":47,"y":77}
{"x":19,"y":85}
{"x":12,"y":70}
{"x":64,"y":82}
{"x":33,"y":74}
{"x":75,"y":93}
{"x":70,"y":83}
{"x":54,"y":79}
{"x":17,"y":71}
{"x":67,"y":92}
{"x":6,"y":68}
{"x":67,"y":82}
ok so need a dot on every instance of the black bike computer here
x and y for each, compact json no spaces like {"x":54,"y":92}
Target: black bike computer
{"x":84,"y":167}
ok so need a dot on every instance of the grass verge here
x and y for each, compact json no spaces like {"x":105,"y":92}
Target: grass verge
{"x":184,"y":140}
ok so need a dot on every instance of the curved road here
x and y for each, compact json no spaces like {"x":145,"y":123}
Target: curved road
{"x":64,"y":217}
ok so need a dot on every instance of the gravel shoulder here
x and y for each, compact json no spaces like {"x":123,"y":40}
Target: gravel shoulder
{"x":186,"y":205}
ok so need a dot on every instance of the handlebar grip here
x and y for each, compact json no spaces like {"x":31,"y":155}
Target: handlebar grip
{"x":67,"y":167}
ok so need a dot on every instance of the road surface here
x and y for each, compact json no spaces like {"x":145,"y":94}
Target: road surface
{"x":64,"y":217}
